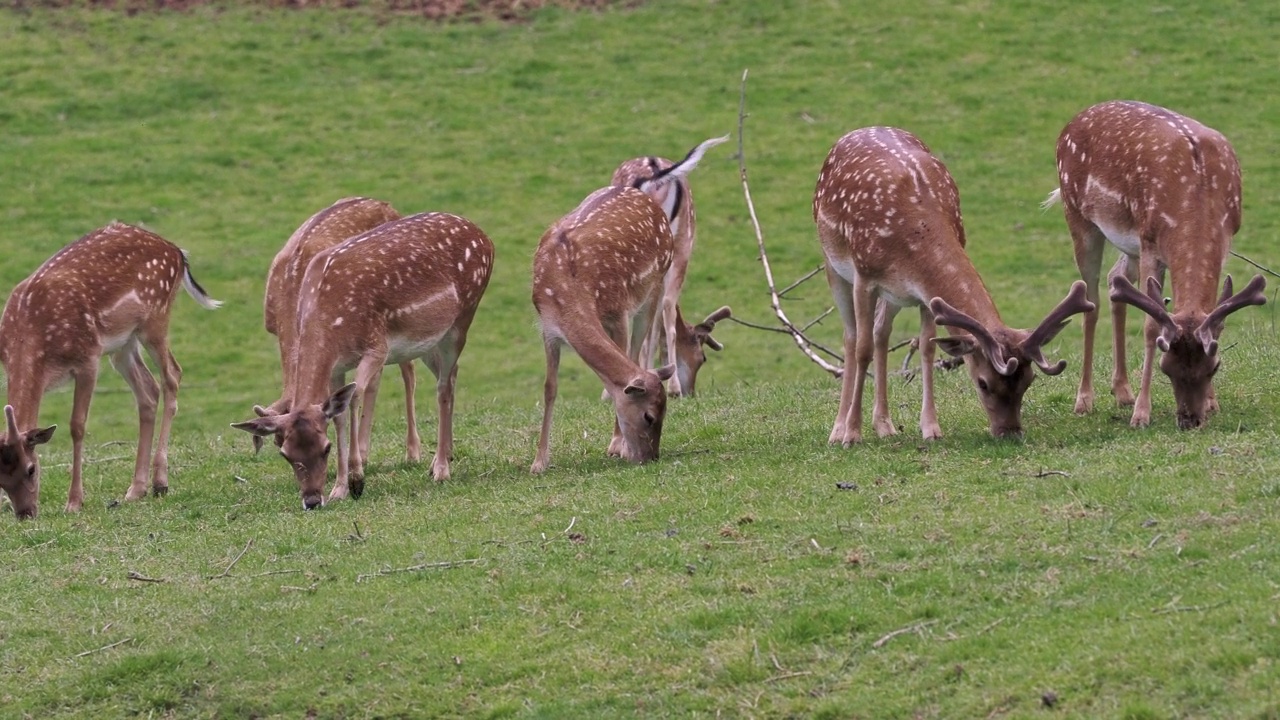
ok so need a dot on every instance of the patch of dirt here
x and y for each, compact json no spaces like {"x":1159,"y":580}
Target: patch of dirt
{"x":504,"y":10}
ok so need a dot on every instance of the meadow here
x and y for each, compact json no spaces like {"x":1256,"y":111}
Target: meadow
{"x":1089,"y":570}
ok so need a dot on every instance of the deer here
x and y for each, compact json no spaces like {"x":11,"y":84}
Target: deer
{"x":598,"y":278}
{"x":338,"y":222}
{"x":676,"y":340}
{"x":109,"y":293}
{"x":1165,"y":190}
{"x":888,"y":218}
{"x":405,"y":290}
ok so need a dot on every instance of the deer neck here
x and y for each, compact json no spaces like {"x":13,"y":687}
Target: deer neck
{"x":959,"y":284}
{"x":587,"y":337}
{"x":1193,"y":277}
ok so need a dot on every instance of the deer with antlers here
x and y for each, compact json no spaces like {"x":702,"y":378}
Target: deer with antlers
{"x":677,"y":340}
{"x":404,"y":290}
{"x":1165,"y":190}
{"x":340,"y":221}
{"x":108,"y":293}
{"x":598,"y":278}
{"x":888,"y":217}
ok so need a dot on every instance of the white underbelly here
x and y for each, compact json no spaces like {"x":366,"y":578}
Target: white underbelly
{"x":401,"y":348}
{"x":1125,"y":239}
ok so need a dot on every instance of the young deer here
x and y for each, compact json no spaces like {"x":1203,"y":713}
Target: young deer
{"x":338,"y":222}
{"x":1165,"y":190}
{"x":407,"y":289}
{"x":678,"y":341}
{"x":108,"y":293}
{"x":888,"y":216}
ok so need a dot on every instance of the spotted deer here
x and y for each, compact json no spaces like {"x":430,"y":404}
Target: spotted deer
{"x":677,"y":340}
{"x":404,"y":290}
{"x":888,"y":218}
{"x":344,"y":219}
{"x":108,"y":293}
{"x":1165,"y":190}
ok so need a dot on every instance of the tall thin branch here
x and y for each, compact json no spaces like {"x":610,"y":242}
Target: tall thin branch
{"x":801,"y":341}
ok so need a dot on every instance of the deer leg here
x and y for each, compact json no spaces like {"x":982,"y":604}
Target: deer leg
{"x":928,"y":412}
{"x":668,"y":334}
{"x":864,"y":303}
{"x":171,"y":378}
{"x":342,"y":426}
{"x":412,"y":442}
{"x":443,"y":362}
{"x":543,"y":457}
{"x":1120,"y":387}
{"x":128,"y":362}
{"x":1089,"y":243}
{"x":368,"y":381}
{"x":842,"y":295}
{"x":622,"y":336}
{"x":880,"y":418}
{"x":1142,"y":406}
{"x":85,"y":381}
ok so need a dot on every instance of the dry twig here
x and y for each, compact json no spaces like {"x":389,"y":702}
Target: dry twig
{"x":143,"y":578}
{"x":418,"y":568}
{"x":902,"y":631}
{"x":227,"y":572}
{"x":104,"y":647}
{"x":1263,"y":268}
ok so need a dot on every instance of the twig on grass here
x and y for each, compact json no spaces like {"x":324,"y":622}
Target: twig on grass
{"x":1155,"y":540}
{"x":227,"y":572}
{"x":1047,"y":473}
{"x":989,"y":626}
{"x":1187,"y":608}
{"x":801,"y":341}
{"x":902,"y":631}
{"x":787,"y":676}
{"x":143,"y":578}
{"x":104,"y":647}
{"x":418,"y":568}
{"x":572,"y":520}
{"x":274,"y":572}
{"x":91,"y":461}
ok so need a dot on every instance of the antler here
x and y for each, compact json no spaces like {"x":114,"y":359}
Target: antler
{"x":1074,"y":303}
{"x":1251,"y":295}
{"x":945,"y":314}
{"x":704,"y":328}
{"x":1123,"y":291}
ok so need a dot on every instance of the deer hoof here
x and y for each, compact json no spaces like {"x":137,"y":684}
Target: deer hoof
{"x":159,"y":490}
{"x":356,"y":485}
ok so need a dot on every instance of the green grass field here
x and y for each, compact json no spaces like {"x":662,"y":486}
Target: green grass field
{"x":1089,"y":571}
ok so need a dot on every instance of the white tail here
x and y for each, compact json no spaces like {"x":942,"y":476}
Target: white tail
{"x":667,"y":183}
{"x":1165,"y":190}
{"x":110,"y":292}
{"x":407,"y":289}
{"x":888,"y":217}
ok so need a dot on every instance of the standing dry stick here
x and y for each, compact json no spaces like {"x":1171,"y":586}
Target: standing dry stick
{"x":801,"y":341}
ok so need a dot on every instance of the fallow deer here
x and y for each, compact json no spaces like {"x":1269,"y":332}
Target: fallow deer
{"x":597,"y":285}
{"x":1165,"y":190}
{"x":404,"y":290}
{"x":888,"y":217}
{"x":340,"y":221}
{"x":678,"y":341}
{"x":108,"y":293}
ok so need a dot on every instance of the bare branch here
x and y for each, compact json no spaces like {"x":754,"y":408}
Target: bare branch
{"x":143,"y":578}
{"x":801,"y":341}
{"x":902,"y":631}
{"x":418,"y":568}
{"x":1263,"y":268}
{"x":227,"y":572}
{"x":783,"y":292}
{"x":104,"y":647}
{"x":818,"y":319}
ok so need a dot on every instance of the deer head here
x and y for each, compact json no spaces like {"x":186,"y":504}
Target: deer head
{"x":999,"y":359}
{"x":1189,"y":340}
{"x":689,"y":356}
{"x":641,"y":407}
{"x":302,"y":438}
{"x":19,"y":466}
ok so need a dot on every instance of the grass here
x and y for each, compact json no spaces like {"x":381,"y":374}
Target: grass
{"x":1130,"y":574}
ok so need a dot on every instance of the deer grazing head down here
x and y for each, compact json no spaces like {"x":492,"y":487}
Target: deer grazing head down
{"x":108,"y":293}
{"x":1188,"y":340}
{"x":888,"y":217}
{"x":676,"y":341}
{"x":597,"y":285}
{"x":1165,"y":190}
{"x":405,"y":290}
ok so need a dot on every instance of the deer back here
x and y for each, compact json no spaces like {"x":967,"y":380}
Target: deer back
{"x":88,"y":299}
{"x":337,"y":223}
{"x":403,"y":284}
{"x":605,"y":258}
{"x":677,"y":195}
{"x":1154,"y":181}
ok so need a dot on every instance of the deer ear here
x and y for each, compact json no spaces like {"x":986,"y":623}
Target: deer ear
{"x":259,"y":427}
{"x":635,"y":387}
{"x":39,"y":436}
{"x":665,"y":372}
{"x":956,"y":346}
{"x":339,"y":401}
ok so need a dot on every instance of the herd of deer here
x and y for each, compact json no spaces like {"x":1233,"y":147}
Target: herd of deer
{"x":358,"y":287}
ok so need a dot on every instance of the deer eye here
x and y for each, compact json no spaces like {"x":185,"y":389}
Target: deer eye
{"x":31,"y":470}
{"x":325,"y":453}
{"x":982,"y":385}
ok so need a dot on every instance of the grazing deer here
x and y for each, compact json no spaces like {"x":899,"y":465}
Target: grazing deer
{"x":108,"y":293}
{"x":678,"y":341}
{"x":338,"y":222}
{"x":404,"y":290}
{"x":597,"y":285}
{"x":1165,"y":190}
{"x":888,"y":216}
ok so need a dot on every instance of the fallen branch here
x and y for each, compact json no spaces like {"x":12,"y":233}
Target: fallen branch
{"x":1047,"y":473}
{"x":104,"y":647}
{"x":227,"y":572}
{"x":902,"y":631}
{"x":1263,"y":268}
{"x":92,"y":461}
{"x":143,"y":578}
{"x":801,"y":341}
{"x":1187,"y":608}
{"x":418,"y":568}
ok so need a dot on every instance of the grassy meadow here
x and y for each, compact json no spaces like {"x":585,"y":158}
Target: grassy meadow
{"x":1088,"y":571}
